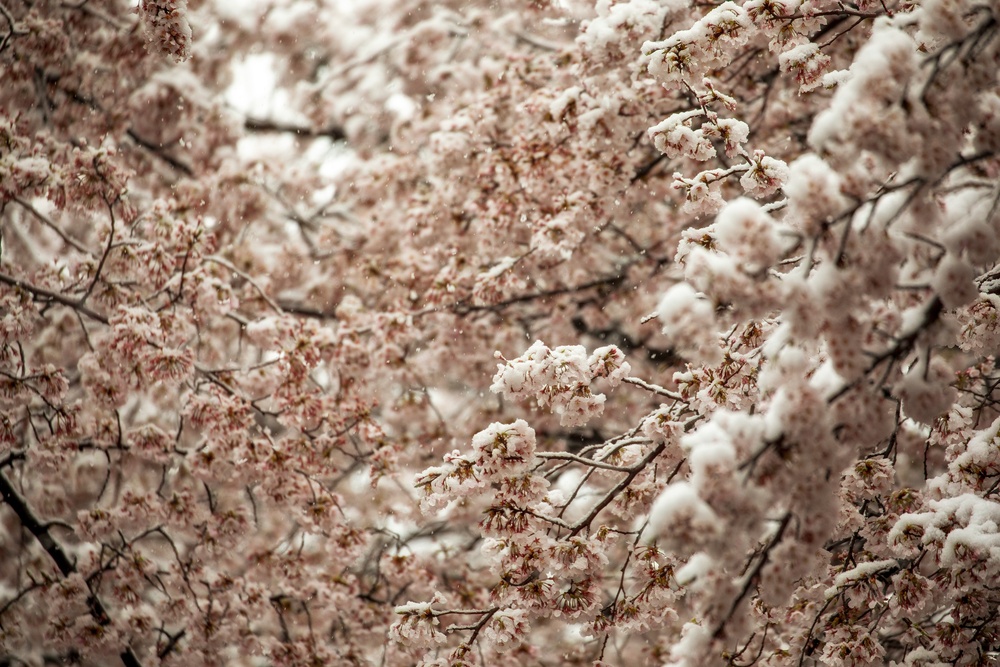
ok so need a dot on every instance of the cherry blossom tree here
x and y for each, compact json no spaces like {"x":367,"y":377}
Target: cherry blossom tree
{"x":535,"y":332}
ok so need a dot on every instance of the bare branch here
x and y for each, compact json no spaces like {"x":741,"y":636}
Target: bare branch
{"x":44,"y":295}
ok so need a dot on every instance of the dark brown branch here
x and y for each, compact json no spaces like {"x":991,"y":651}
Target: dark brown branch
{"x":644,"y":170}
{"x":306,"y":311}
{"x":12,"y":32}
{"x":42,"y":294}
{"x":40,"y":530}
{"x":158,"y":151}
{"x":933,"y":310}
{"x":333,"y":132}
{"x":35,"y":526}
{"x":10,"y":457}
{"x":171,"y":644}
{"x":628,"y":344}
{"x":621,"y":486}
{"x":463,"y":308}
{"x":751,"y":577}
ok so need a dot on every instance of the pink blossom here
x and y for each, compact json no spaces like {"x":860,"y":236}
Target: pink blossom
{"x":739,"y":260}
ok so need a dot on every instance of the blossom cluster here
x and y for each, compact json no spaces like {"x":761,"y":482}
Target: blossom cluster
{"x":561,"y":378}
{"x":252,"y":256}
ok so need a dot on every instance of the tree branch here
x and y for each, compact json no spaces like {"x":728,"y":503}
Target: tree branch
{"x":751,"y":577}
{"x":35,"y":526}
{"x":42,"y":294}
{"x":267,"y":125}
{"x":157,"y":150}
{"x":40,"y":530}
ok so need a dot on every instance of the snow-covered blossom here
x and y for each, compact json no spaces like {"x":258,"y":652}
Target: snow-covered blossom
{"x":926,"y":390}
{"x":252,"y":255}
{"x":681,"y":518}
{"x":954,"y":281}
{"x":505,"y":448}
{"x":675,"y":137}
{"x":765,"y":176}
{"x":561,"y":378}
{"x":608,"y":362}
{"x":807,"y":62}
{"x":167,"y":29}
{"x":688,"y":320}
{"x":731,"y":131}
{"x":418,"y":624}
{"x":814,"y":193}
{"x":507,"y":628}
{"x":498,"y":282}
{"x":748,"y":233}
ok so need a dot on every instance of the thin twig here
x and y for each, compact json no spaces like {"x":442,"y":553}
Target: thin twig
{"x":656,"y":389}
{"x":42,"y":294}
{"x":51,"y":225}
{"x":245,"y":276}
